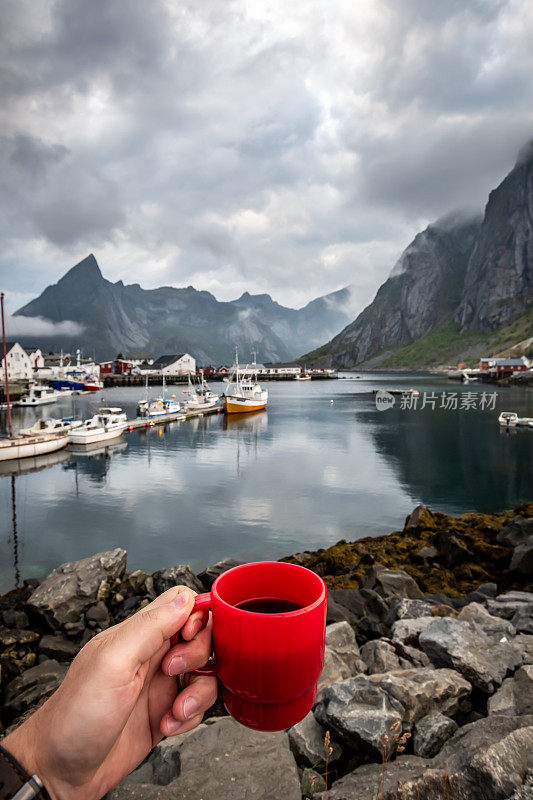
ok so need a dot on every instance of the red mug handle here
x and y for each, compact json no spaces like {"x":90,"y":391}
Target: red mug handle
{"x":201,"y":602}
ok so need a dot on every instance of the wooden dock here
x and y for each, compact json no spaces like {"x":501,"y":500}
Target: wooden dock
{"x":178,"y":416}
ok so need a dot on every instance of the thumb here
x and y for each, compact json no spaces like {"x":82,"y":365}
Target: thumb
{"x":143,"y":635}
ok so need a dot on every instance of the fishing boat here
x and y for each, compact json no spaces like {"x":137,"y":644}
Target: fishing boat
{"x":243,"y":394}
{"x":51,"y":426}
{"x":160,"y":406}
{"x":303,"y":376}
{"x":15,"y":447}
{"x":201,"y":397}
{"x":39,"y":395}
{"x":107,"y":424}
{"x":92,"y":384}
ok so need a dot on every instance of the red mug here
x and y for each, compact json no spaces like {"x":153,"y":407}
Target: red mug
{"x":268,"y":664}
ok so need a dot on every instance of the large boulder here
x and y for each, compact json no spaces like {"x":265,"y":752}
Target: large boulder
{"x":29,"y":688}
{"x":431,"y":733}
{"x":180,"y":575}
{"x":368,"y":782}
{"x":69,"y":591}
{"x":209,"y":575}
{"x":486,"y":760}
{"x":58,"y":647}
{"x":424,"y":691}
{"x":307,"y":743}
{"x":493,"y":626}
{"x":390,"y":582}
{"x":361,"y":714}
{"x":503,"y":701}
{"x":463,"y":646}
{"x":220,"y":759}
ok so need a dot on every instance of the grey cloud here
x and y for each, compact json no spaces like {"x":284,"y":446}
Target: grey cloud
{"x":39,"y":326}
{"x":239,"y":146}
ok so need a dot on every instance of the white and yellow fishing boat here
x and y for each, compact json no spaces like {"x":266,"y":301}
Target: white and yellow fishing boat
{"x":243,"y":394}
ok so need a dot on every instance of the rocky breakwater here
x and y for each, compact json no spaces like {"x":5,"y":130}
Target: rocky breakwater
{"x":427,"y":687}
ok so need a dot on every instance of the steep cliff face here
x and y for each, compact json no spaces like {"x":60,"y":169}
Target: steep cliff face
{"x":122,"y":317}
{"x":423,"y":291}
{"x":499,"y":278}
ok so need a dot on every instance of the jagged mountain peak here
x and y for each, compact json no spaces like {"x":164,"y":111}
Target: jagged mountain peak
{"x":86,"y":269}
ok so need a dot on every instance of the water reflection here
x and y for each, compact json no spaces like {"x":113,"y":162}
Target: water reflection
{"x":301,"y":475}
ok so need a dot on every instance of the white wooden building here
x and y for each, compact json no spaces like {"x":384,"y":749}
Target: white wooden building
{"x":19,"y":365}
{"x":175,"y":364}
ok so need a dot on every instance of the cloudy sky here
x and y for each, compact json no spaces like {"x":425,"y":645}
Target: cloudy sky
{"x":290,"y":148}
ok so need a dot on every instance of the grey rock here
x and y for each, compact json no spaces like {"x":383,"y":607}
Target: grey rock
{"x":414,"y":518}
{"x":506,"y":605}
{"x":519,"y":530}
{"x":180,"y":575}
{"x":523,"y":642}
{"x":428,"y":553}
{"x":35,"y":683}
{"x":523,"y":690}
{"x":312,"y":783}
{"x":335,"y":670}
{"x":503,"y":701}
{"x":340,"y":638}
{"x":450,"y":548}
{"x":431,"y":733}
{"x":390,"y":582}
{"x":64,"y":595}
{"x":58,"y":647}
{"x":15,"y":619}
{"x":417,"y":657}
{"x":406,"y":629}
{"x":98,"y":614}
{"x":221,"y":759}
{"x":380,"y":656}
{"x":307,"y":743}
{"x":525,"y":790}
{"x":365,"y":783}
{"x":424,"y":691}
{"x":523,"y":620}
{"x":211,"y":573}
{"x":404,"y":608}
{"x":465,"y":647}
{"x":493,"y":626}
{"x":486,"y":760}
{"x":522,"y":560}
{"x":360,"y":713}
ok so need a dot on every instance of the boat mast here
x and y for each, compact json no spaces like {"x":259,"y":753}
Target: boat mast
{"x":9,"y":429}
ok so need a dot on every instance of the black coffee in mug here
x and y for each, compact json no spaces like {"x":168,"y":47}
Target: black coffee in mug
{"x":268,"y":605}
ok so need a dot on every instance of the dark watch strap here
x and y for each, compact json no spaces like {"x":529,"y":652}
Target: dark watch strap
{"x":15,"y":783}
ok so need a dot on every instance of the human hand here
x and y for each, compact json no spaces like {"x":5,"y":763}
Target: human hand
{"x":118,"y":699}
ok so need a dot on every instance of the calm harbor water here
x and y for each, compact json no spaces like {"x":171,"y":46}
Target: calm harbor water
{"x":302,"y":475}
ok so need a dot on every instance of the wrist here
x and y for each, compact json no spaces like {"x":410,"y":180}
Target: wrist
{"x":22,"y":745}
{"x":16,"y":781}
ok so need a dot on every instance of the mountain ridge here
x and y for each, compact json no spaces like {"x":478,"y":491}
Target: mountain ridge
{"x":121,"y":317}
{"x":459,"y":276}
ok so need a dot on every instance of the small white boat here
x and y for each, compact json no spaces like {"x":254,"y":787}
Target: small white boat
{"x":31,"y":446}
{"x":304,"y":376}
{"x":51,"y":426}
{"x":243,"y":395}
{"x":107,"y":424}
{"x":200,"y":397}
{"x":160,"y":406}
{"x":39,"y":396}
{"x":508,"y":418}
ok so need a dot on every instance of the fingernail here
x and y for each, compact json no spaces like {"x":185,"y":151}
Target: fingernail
{"x":173,"y":725}
{"x":176,"y":665}
{"x":190,"y":707}
{"x":180,"y":601}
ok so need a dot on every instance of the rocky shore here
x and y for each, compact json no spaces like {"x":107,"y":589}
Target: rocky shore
{"x":427,"y":687}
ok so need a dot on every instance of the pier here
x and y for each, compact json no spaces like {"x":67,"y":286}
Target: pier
{"x":178,"y":416}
